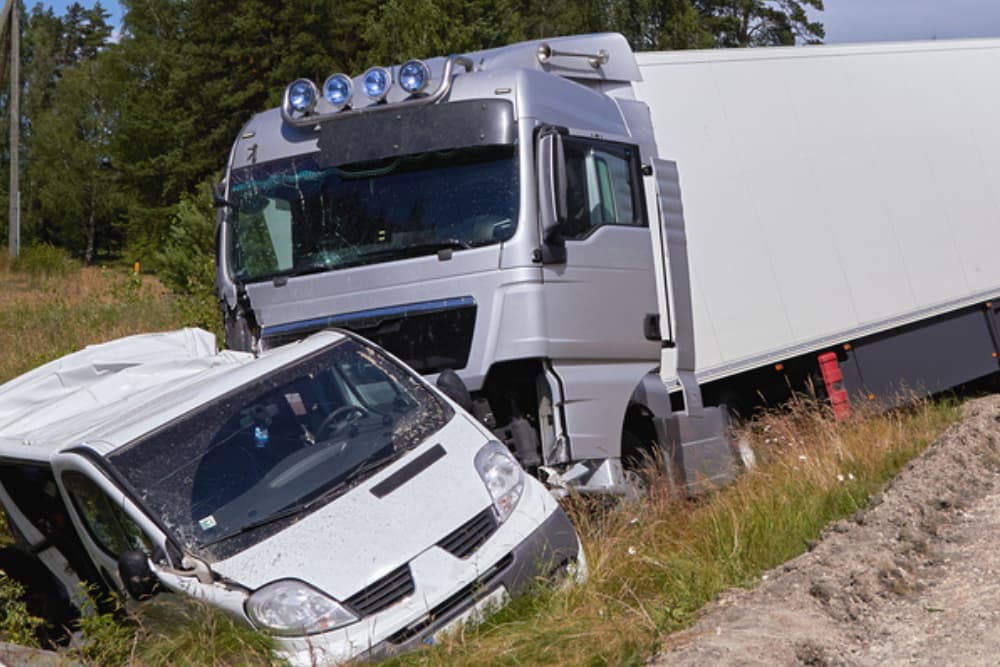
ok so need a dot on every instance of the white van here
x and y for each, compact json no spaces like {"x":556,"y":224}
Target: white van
{"x":323,"y":492}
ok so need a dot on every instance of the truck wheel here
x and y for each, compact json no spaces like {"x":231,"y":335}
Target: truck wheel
{"x":646,"y":464}
{"x":44,"y":597}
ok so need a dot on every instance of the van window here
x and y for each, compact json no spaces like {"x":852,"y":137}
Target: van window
{"x":106,"y":522}
{"x":602,"y":186}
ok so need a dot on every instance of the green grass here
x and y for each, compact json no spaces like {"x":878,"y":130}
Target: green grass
{"x":653,"y":563}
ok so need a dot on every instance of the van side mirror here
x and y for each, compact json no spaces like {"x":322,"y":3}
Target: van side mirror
{"x":552,"y":208}
{"x":136,"y":575}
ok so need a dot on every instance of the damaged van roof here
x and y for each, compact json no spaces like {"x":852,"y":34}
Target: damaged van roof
{"x":107,"y":394}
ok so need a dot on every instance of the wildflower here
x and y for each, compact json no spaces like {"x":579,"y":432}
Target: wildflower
{"x":850,"y":476}
{"x":802,"y":457}
{"x":632,"y":551}
{"x":840,"y":478}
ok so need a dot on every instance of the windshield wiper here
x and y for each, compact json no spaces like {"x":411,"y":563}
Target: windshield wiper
{"x":357,"y":475}
{"x":418,"y":249}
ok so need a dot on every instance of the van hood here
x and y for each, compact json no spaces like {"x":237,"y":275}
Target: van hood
{"x":359,"y":537}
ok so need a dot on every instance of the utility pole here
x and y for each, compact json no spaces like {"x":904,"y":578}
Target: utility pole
{"x":10,"y":24}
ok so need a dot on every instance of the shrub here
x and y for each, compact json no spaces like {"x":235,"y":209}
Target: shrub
{"x":17,"y":625}
{"x":44,"y":260}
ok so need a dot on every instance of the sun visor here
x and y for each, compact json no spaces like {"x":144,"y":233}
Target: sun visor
{"x":420,"y":129}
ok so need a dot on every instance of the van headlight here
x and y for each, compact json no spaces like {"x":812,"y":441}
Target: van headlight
{"x":294,"y":608}
{"x":502,"y":475}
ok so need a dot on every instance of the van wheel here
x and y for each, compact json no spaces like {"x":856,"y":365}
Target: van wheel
{"x":44,"y":597}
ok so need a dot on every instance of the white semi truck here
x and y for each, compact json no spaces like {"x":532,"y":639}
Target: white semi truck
{"x":514,"y":217}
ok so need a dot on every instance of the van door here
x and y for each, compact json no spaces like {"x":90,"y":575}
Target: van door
{"x":106,"y":520}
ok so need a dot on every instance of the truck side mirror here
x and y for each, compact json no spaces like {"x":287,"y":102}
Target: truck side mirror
{"x":551,"y":169}
{"x":452,"y":386}
{"x":136,"y":575}
{"x":219,"y":195}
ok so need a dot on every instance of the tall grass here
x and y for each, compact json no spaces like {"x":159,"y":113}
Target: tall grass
{"x":172,"y":630}
{"x":654,"y":563}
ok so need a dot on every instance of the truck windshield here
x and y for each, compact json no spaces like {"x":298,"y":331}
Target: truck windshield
{"x":292,"y":217}
{"x":242,"y":466}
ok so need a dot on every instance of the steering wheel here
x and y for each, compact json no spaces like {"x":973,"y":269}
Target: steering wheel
{"x":338,"y":419}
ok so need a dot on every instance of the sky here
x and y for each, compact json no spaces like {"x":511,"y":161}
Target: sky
{"x":845,"y":20}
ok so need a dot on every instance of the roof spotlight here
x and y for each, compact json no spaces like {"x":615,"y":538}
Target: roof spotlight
{"x":301,"y":95}
{"x":376,"y":82}
{"x":414,"y":76}
{"x":338,"y":89}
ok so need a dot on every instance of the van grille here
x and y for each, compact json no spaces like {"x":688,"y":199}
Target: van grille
{"x":464,"y":541}
{"x":384,"y":593}
{"x":465,"y":597}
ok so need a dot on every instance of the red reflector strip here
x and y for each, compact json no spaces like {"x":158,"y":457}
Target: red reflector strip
{"x":829,"y":367}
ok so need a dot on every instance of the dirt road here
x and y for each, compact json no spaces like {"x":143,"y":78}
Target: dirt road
{"x":912,"y":580}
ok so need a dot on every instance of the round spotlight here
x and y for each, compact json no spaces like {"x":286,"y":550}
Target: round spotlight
{"x":414,"y":76}
{"x":376,"y":83}
{"x":302,"y":95}
{"x":338,"y":89}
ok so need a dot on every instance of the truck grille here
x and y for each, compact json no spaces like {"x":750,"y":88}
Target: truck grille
{"x":429,"y":336}
{"x":464,"y":541}
{"x":384,"y":593}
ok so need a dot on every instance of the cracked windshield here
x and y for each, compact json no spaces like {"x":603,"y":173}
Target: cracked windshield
{"x":293,"y":217}
{"x":282,"y":445}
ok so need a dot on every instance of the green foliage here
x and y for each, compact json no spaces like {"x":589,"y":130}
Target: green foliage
{"x":109,"y":634}
{"x":424,"y":28}
{"x":761,"y":22}
{"x":43,"y":260}
{"x":186,"y":264}
{"x":17,"y":625}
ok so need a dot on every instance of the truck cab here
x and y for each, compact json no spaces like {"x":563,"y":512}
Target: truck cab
{"x":496,"y":216}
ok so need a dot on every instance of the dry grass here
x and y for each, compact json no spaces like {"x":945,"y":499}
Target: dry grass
{"x":655,"y":562}
{"x":46,"y":316}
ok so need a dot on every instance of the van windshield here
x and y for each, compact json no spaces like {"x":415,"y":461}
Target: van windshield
{"x":293,"y":217}
{"x":244,"y":465}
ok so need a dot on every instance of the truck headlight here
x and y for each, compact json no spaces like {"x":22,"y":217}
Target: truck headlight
{"x":502,"y":475}
{"x":302,"y":95}
{"x":376,"y":82}
{"x":337,"y":90}
{"x":294,"y":608}
{"x":414,"y":76}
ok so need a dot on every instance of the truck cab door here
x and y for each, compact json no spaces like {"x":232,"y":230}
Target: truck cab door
{"x":106,"y":520}
{"x":598,"y":285}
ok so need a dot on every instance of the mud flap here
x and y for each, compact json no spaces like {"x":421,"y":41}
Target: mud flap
{"x":698,"y":449}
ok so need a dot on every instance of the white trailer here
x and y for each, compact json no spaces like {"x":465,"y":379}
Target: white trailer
{"x":838,"y":198}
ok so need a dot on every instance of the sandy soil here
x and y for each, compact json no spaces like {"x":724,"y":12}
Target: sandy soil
{"x":912,"y":580}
